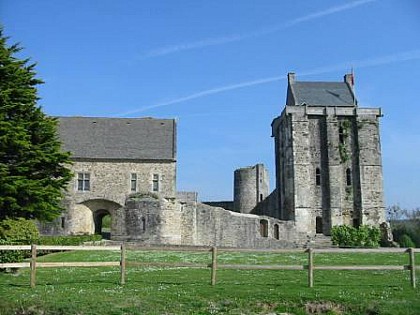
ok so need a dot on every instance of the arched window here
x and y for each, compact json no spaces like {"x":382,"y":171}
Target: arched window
{"x":276,"y":231}
{"x":318,"y":176}
{"x":348,"y":177}
{"x":264,"y":228}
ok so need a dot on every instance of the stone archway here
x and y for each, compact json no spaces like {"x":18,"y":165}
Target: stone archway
{"x":98,"y":217}
{"x":89,"y":215}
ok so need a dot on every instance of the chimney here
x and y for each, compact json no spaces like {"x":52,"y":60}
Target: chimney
{"x":291,"y":77}
{"x":349,"y":79}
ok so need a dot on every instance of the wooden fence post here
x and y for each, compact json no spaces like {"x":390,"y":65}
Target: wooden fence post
{"x":412,"y":267}
{"x":122,"y":264}
{"x":213,"y":265}
{"x":310,"y":268}
{"x":33,"y":265}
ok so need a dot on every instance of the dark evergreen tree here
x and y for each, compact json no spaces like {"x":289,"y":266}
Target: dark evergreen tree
{"x":33,"y":169}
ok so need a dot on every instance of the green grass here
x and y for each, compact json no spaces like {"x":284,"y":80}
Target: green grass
{"x":154,"y":290}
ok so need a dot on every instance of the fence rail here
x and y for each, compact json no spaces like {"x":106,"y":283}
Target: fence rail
{"x":33,"y":264}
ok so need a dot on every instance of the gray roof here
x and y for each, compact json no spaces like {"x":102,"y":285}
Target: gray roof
{"x":320,"y":94}
{"x":118,"y":138}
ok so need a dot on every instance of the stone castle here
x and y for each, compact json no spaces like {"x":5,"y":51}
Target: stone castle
{"x":328,"y":172}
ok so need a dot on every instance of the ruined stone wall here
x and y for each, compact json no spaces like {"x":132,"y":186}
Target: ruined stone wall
{"x":269,"y":206}
{"x":159,"y":221}
{"x":228,"y":205}
{"x":223,"y":228}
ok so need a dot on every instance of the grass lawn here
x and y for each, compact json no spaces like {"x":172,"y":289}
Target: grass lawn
{"x":153,"y":290}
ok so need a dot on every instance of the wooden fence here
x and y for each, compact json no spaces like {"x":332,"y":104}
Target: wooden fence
{"x":123,"y":263}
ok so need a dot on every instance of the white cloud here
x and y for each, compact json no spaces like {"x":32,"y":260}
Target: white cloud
{"x":238,"y":37}
{"x":358,"y":64}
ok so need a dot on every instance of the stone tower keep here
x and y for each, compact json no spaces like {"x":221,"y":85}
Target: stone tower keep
{"x":328,"y":157}
{"x":251,"y":186}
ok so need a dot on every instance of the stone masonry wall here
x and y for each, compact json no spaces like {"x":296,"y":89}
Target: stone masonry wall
{"x":251,"y":186}
{"x":160,"y":221}
{"x":344,"y":144}
{"x":223,"y":228}
{"x":110,"y":184}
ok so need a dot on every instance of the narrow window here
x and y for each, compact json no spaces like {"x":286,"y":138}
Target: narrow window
{"x":341,"y":135}
{"x":261,"y":197}
{"x":318,"y":176}
{"x":63,"y":222}
{"x":143,"y":224}
{"x":276,"y":231}
{"x":264,"y":228}
{"x":133,"y":182}
{"x":348,"y":177}
{"x":83,"y":181}
{"x":155,"y":182}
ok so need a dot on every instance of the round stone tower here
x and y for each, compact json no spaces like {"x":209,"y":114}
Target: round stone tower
{"x":251,"y":186}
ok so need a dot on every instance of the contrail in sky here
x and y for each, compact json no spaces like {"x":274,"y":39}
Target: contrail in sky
{"x":399,"y":57}
{"x":238,"y":37}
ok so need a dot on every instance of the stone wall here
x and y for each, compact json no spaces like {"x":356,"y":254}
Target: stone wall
{"x":342,"y":147}
{"x":159,"y":221}
{"x":110,"y":184}
{"x":228,"y":205}
{"x":111,"y":180}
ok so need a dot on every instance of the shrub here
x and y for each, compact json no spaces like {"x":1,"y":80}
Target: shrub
{"x":348,"y":236}
{"x":406,"y":241}
{"x":406,"y":228}
{"x":17,"y":232}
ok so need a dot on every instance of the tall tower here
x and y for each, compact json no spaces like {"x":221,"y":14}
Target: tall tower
{"x":328,"y":157}
{"x":251,"y":186}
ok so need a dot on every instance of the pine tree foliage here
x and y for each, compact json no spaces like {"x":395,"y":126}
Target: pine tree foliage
{"x":33,"y":169}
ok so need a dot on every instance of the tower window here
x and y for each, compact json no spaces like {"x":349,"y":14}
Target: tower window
{"x":318,"y":176}
{"x":155,"y":182}
{"x":133,"y":183}
{"x":261,"y":197}
{"x":348,"y":177}
{"x":341,"y":136}
{"x":83,"y":181}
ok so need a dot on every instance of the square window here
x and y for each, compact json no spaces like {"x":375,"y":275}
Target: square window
{"x":83,"y":181}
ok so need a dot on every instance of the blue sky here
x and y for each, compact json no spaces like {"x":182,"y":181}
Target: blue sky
{"x":219,"y":67}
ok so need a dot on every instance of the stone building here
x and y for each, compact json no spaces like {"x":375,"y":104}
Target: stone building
{"x":113,"y":158}
{"x":328,"y":157}
{"x":328,"y":172}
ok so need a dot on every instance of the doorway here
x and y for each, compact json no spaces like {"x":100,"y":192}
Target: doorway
{"x":103,"y":221}
{"x":318,"y":225}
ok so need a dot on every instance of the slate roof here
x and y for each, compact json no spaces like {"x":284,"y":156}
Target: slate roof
{"x":118,"y":138}
{"x":320,"y":94}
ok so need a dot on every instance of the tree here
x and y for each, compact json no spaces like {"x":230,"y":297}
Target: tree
{"x":33,"y":168}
